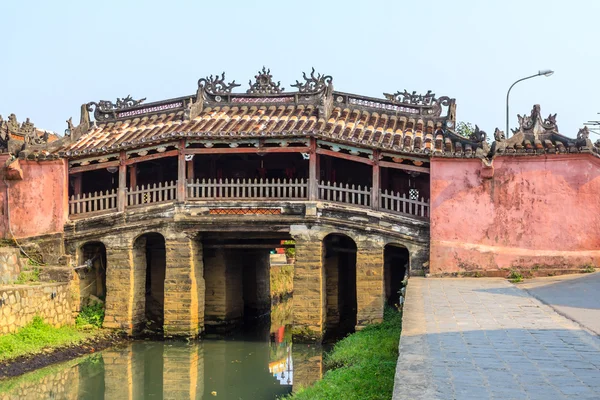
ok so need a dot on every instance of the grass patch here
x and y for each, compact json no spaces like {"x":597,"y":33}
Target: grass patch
{"x":515,"y":277}
{"x":28,"y":275}
{"x":38,"y":336}
{"x":362,"y":365}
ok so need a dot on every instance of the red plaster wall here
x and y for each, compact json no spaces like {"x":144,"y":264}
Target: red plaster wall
{"x":535,"y":211}
{"x":37,"y":203}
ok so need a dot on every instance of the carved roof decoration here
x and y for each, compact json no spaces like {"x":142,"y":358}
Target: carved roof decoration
{"x":216,"y":85}
{"x":15,"y":137}
{"x":106,"y":109}
{"x":537,"y":135}
{"x":313,"y":83}
{"x":264,"y":84}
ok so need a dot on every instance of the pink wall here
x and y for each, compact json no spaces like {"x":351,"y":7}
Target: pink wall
{"x":37,"y":203}
{"x":535,"y":211}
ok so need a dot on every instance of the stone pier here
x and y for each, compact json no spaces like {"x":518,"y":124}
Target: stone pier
{"x":184,"y":287}
{"x":224,"y":287}
{"x":309,"y":285}
{"x":370,"y":292}
{"x":125,"y":284}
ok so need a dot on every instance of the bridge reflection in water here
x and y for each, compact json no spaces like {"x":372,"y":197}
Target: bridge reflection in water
{"x":260,"y":363}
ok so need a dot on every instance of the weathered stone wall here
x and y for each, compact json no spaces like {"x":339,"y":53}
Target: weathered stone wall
{"x":20,"y":303}
{"x":256,"y":282}
{"x":534,"y":212}
{"x":224,"y":287}
{"x":10,"y":264}
{"x":63,"y":384}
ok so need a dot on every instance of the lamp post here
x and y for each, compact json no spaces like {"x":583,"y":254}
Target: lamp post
{"x":544,"y":72}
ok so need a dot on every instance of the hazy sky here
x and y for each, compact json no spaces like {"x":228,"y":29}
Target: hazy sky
{"x":60,"y":54}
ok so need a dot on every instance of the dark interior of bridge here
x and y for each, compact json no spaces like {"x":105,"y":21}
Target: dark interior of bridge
{"x":395,"y":265}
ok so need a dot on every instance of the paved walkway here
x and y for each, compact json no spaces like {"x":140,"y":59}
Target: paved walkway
{"x":487,"y":339}
{"x":575,"y":296}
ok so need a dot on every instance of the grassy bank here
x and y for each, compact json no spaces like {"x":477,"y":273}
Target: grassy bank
{"x":39,"y":337}
{"x":362,"y":365}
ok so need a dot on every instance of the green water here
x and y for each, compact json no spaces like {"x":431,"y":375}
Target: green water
{"x":260,"y":363}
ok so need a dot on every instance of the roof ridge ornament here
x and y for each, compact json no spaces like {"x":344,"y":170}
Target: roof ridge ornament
{"x":216,"y":85}
{"x":413,"y":98}
{"x":264,"y":83}
{"x":313,"y":83}
{"x":104,"y":108}
{"x":534,"y":123}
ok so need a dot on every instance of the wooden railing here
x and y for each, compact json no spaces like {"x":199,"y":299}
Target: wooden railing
{"x":152,"y":194}
{"x":259,"y":189}
{"x":349,"y":194}
{"x":88,"y":203}
{"x":249,"y":189}
{"x":402,"y":204}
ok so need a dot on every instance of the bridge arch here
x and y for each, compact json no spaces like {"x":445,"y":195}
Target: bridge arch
{"x":149,"y":255}
{"x":92,"y":279}
{"x":396,"y":262}
{"x":339,"y":262}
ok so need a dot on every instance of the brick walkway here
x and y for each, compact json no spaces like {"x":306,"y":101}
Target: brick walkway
{"x":487,"y":339}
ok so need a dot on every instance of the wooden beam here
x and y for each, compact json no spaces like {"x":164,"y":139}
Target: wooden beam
{"x":93,"y":167}
{"x":387,"y":164}
{"x":344,"y":156}
{"x":238,"y":150}
{"x":170,"y":153}
{"x":121,"y":193}
{"x":181,"y":167}
{"x":313,"y":179}
{"x":375,"y":183}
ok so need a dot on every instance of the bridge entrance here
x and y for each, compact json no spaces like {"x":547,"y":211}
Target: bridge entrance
{"x":93,"y":281}
{"x":237,"y":277}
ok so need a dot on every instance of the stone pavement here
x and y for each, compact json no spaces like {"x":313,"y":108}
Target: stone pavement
{"x":575,"y":296}
{"x":487,"y":339}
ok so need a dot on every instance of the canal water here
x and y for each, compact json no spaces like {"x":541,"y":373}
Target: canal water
{"x":259,"y":362}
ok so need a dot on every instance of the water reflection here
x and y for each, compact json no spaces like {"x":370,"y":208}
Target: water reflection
{"x":260,"y":363}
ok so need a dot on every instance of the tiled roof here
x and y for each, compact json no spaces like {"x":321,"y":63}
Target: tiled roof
{"x":403,"y":122}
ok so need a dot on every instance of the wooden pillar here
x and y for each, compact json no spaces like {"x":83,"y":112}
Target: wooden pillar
{"x":181,"y":167}
{"x":122,"y":192}
{"x":375,"y":194}
{"x":313,"y":171}
{"x":133,"y":176}
{"x":190,"y":169}
{"x":77,"y":180}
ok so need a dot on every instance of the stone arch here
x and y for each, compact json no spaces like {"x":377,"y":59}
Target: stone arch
{"x":92,"y":278}
{"x":149,"y":254}
{"x":339,"y":262}
{"x":396,"y":263}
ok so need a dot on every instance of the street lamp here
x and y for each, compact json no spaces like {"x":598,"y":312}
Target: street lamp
{"x":544,"y":72}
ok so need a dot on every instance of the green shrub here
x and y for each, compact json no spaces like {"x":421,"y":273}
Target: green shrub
{"x":92,"y":314}
{"x":589,"y":268}
{"x":515,"y":277}
{"x":28,"y":275}
{"x":290,"y":252}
